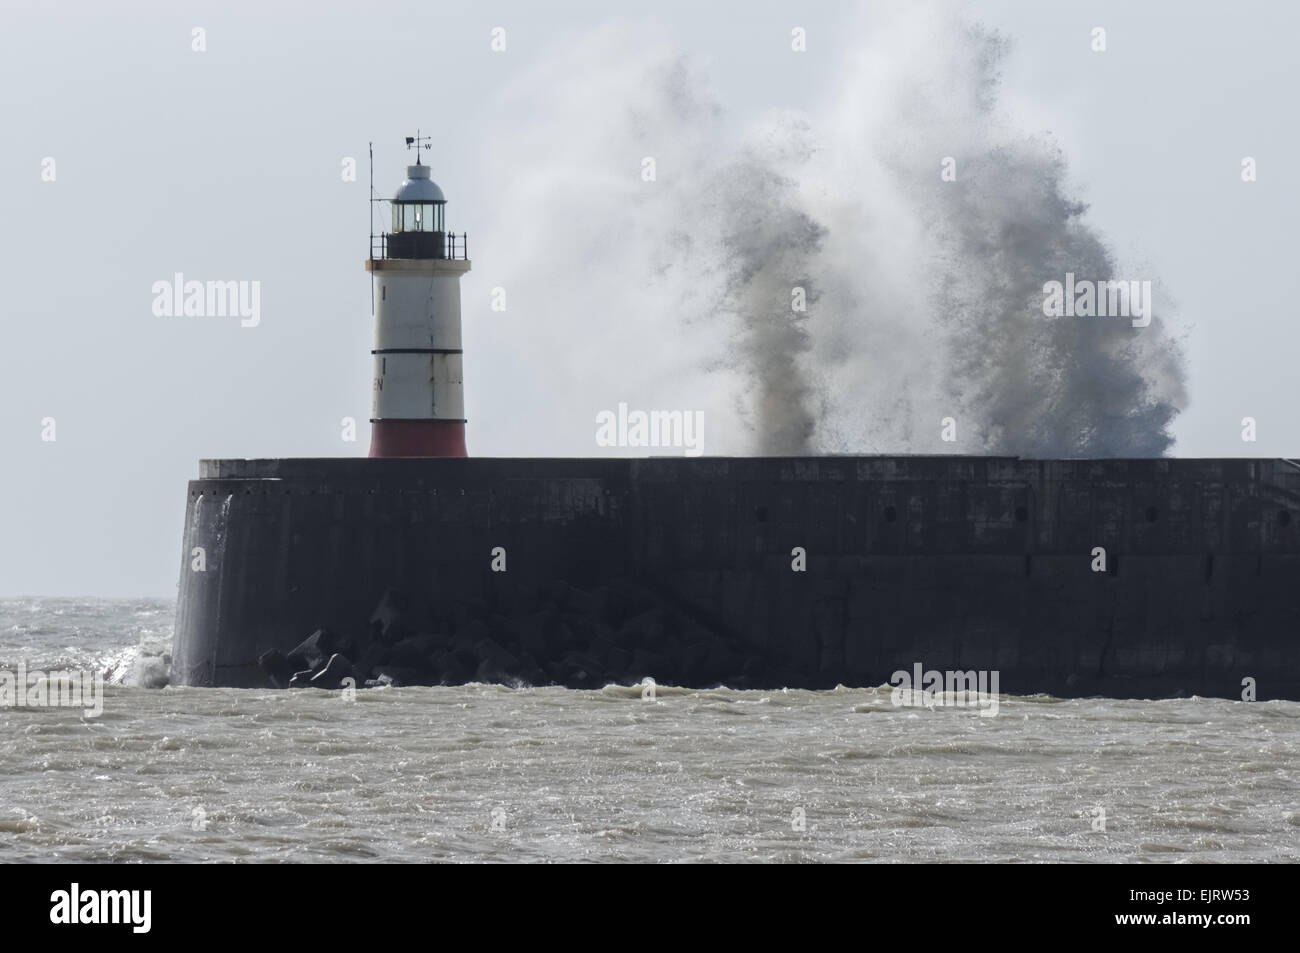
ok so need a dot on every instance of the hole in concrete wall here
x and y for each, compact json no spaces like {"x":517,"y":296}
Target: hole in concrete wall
{"x":1022,"y":514}
{"x":891,"y":514}
{"x":1152,"y":514}
{"x":1209,"y":566}
{"x":760,"y":513}
{"x":1284,"y":518}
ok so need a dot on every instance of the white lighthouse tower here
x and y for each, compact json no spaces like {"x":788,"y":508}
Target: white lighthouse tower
{"x":418,"y":409}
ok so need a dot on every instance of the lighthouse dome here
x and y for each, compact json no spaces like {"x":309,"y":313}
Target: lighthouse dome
{"x":418,"y":187}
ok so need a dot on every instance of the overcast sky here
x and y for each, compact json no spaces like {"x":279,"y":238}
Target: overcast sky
{"x":226,"y":163}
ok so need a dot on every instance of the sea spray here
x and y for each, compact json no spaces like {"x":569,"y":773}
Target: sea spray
{"x":923,"y":293}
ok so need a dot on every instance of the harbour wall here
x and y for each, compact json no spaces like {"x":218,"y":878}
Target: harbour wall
{"x":766,"y":572}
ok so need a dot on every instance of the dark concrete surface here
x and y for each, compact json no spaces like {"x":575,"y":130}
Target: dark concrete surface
{"x":681,"y":569}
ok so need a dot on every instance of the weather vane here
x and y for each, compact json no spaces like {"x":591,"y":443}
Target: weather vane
{"x":418,"y":142}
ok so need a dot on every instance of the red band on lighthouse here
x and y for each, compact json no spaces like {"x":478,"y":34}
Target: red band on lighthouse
{"x":417,"y":438}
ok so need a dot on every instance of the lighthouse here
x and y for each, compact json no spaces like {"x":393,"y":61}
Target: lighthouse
{"x":418,"y":404}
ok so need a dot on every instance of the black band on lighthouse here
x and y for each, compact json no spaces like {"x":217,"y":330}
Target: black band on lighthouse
{"x":418,"y":350}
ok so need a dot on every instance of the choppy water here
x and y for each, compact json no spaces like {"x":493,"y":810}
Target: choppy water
{"x":488,"y":772}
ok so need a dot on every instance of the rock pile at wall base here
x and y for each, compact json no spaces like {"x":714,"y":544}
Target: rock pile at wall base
{"x":621,"y":632}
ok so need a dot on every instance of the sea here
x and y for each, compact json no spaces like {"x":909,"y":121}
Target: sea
{"x":505,"y":773}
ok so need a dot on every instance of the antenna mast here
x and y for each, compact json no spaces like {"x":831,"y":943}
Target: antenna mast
{"x":371,"y":203}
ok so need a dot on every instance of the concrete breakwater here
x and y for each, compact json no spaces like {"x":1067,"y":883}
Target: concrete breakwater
{"x":1129,"y":578}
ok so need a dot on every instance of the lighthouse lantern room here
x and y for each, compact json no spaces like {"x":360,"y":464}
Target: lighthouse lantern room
{"x":418,"y":214}
{"x":418,"y":407}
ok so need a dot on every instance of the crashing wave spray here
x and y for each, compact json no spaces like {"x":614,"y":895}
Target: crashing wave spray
{"x":769,"y":246}
{"x":924,"y":297}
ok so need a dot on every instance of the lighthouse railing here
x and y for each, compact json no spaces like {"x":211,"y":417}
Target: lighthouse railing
{"x":453,"y":246}
{"x":457,"y":246}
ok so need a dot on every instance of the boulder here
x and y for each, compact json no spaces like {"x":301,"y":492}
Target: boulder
{"x":452,"y":670}
{"x":374,"y":655}
{"x":398,"y":676}
{"x":581,"y":670}
{"x":604,"y":634}
{"x":572,"y":640}
{"x":470,"y":634}
{"x":489,"y":674}
{"x":335,"y":671}
{"x":465,"y":612}
{"x":496,"y":663}
{"x":532,"y":636}
{"x":314,"y":651}
{"x":646,"y":630}
{"x":492,"y":652}
{"x":416,"y":651}
{"x":277,"y":668}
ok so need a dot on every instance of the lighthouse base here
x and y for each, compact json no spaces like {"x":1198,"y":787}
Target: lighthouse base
{"x":417,"y":438}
